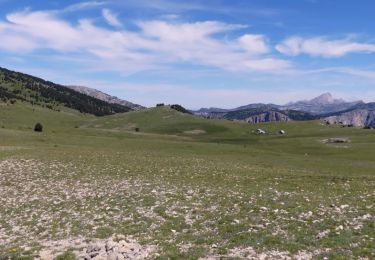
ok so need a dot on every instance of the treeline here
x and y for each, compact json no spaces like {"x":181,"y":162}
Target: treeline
{"x":176,"y":107}
{"x":180,"y":108}
{"x":15,"y":85}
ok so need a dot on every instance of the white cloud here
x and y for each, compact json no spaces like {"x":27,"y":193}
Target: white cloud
{"x":154,"y":44}
{"x":111,"y":18}
{"x":17,"y":37}
{"x":254,"y":43}
{"x":185,"y":32}
{"x":195,"y":42}
{"x":320,"y":46}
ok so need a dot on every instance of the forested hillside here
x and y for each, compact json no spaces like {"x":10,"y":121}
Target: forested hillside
{"x":19,"y":87}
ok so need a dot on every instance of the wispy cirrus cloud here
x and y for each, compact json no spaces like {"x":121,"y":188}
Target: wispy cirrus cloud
{"x":111,"y":18}
{"x":84,"y":5}
{"x":155,"y":43}
{"x":320,"y":46}
{"x":363,"y":73}
{"x":221,"y":7}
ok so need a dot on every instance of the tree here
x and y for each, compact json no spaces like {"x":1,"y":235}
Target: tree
{"x":38,"y":127}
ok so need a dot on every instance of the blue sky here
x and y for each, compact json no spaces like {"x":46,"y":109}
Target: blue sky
{"x":196,"y":53}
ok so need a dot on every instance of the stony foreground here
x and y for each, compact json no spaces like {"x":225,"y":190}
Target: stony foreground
{"x":50,"y":208}
{"x":115,"y":248}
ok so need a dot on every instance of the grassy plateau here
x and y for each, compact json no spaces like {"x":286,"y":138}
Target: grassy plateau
{"x":191,"y":188}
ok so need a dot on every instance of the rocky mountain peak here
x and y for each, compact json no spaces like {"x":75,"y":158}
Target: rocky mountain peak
{"x":325,"y":98}
{"x":105,"y":97}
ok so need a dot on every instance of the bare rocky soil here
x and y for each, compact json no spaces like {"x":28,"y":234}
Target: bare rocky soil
{"x":114,"y":248}
{"x":49,"y":207}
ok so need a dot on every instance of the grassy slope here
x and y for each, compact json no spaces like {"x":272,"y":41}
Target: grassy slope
{"x":161,"y":120}
{"x":227,"y":186}
{"x":22,"y":115}
{"x":302,"y":139}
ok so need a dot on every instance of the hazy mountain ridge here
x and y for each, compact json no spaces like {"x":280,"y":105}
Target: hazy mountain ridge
{"x":105,"y":97}
{"x":315,"y":108}
{"x":260,"y":113}
{"x":322,"y":104}
{"x":223,"y":110}
{"x":268,"y":114}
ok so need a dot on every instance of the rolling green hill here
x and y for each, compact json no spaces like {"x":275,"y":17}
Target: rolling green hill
{"x":161,"y":120}
{"x":190,"y":187}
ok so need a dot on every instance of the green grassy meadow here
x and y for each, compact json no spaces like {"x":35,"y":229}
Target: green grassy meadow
{"x":193,"y":187}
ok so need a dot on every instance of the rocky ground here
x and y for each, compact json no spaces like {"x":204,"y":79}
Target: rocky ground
{"x":49,"y":208}
{"x":114,"y":248}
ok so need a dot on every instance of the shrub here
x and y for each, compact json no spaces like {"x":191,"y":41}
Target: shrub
{"x":160,"y":105}
{"x":137,"y":129}
{"x":38,"y":127}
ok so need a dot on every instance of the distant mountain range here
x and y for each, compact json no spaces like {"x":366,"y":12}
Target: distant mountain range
{"x":321,"y":106}
{"x":16,"y":86}
{"x":105,"y":97}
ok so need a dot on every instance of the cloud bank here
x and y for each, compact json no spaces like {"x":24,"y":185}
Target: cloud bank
{"x":155,"y":43}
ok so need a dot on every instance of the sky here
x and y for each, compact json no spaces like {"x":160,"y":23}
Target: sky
{"x":211,"y":53}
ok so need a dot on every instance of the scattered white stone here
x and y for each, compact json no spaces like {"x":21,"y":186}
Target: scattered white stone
{"x":236,"y":221}
{"x":366,"y":217}
{"x":97,"y":249}
{"x":341,"y":227}
{"x":323,"y":234}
